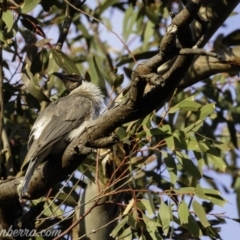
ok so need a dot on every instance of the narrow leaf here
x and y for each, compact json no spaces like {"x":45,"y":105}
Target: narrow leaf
{"x":126,"y":235}
{"x":119,"y":227}
{"x":148,"y":206}
{"x":206,"y":110}
{"x":200,"y":212}
{"x":29,"y":5}
{"x":152,"y":228}
{"x":64,"y":62}
{"x":165,"y":217}
{"x":7,"y":17}
{"x":171,"y":168}
{"x":183,"y":213}
{"x":188,"y":165}
{"x":101,"y":80}
{"x":193,"y":227}
{"x":217,"y":161}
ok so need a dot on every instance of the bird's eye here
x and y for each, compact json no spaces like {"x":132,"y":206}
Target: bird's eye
{"x":75,"y":75}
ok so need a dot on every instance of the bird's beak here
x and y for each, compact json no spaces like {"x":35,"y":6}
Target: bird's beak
{"x":59,"y":75}
{"x":68,"y":77}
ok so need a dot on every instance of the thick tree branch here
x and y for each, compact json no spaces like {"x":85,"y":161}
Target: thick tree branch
{"x":205,"y":66}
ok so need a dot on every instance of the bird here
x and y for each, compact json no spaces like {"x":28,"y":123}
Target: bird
{"x":61,"y":122}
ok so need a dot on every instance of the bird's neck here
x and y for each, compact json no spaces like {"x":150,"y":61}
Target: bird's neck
{"x":90,"y":90}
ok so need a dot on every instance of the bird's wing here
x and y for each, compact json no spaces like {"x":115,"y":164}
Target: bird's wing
{"x":55,"y":121}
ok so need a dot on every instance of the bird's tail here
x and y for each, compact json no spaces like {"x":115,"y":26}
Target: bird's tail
{"x":33,"y":164}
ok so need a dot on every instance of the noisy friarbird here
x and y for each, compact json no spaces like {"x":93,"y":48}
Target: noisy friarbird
{"x":61,"y":122}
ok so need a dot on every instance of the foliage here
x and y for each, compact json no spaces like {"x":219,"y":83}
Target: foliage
{"x":166,"y":158}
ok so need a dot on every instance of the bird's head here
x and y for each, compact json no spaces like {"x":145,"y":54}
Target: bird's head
{"x":71,"y":81}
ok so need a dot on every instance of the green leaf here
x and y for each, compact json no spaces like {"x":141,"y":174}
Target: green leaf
{"x":119,"y":227}
{"x":133,"y":219}
{"x":121,"y":132}
{"x":33,"y":88}
{"x":147,"y":122}
{"x":232,"y":39}
{"x":211,"y":191}
{"x":105,"y":5}
{"x":51,"y":209}
{"x":148,"y":33}
{"x":222,"y":146}
{"x":187,"y":104}
{"x":200,"y":212}
{"x":152,"y":15}
{"x":193,"y":227}
{"x":8,"y":19}
{"x":142,"y":161}
{"x":63,"y":61}
{"x":29,"y":5}
{"x":126,"y":235}
{"x":152,"y":227}
{"x":180,"y":139}
{"x":185,"y":190}
{"x":236,"y":184}
{"x":165,"y":217}
{"x":210,"y":194}
{"x":206,"y":110}
{"x":67,"y":199}
{"x":199,"y":192}
{"x":39,"y":237}
{"x":142,"y":237}
{"x":194,"y":127}
{"x":183,"y":213}
{"x":150,"y":199}
{"x":214,"y":196}
{"x":192,"y":143}
{"x":148,"y":206}
{"x":129,"y":20}
{"x":188,"y":165}
{"x":100,"y":79}
{"x":85,"y":168}
{"x":233,"y":132}
{"x":217,"y":161}
{"x":171,"y":168}
{"x":40,"y":62}
{"x":167,"y":131}
{"x":2,"y":38}
{"x":204,"y":146}
{"x":118,"y":81}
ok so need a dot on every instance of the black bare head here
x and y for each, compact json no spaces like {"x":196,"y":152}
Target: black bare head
{"x":71,"y":81}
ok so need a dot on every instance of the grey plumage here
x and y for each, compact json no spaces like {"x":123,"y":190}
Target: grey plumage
{"x":61,"y":122}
